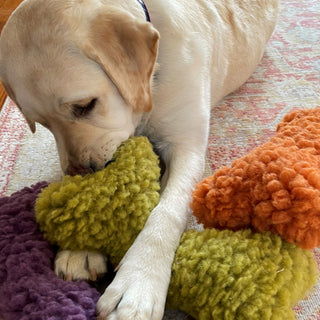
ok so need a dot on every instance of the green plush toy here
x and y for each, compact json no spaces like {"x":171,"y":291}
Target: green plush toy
{"x":97,"y":211}
{"x":215,"y":274}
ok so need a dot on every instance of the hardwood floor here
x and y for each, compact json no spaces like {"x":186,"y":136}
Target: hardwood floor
{"x":6,"y":8}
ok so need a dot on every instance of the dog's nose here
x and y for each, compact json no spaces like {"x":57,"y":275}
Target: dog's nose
{"x":74,"y":170}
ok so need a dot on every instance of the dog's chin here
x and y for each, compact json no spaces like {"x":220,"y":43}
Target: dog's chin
{"x":74,"y":170}
{"x":82,"y":171}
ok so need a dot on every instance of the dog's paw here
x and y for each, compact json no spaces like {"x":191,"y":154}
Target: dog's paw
{"x":132,"y":296}
{"x":80,"y":265}
{"x":138,"y":292}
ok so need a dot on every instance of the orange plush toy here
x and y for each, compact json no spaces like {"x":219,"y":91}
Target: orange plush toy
{"x":276,"y":187}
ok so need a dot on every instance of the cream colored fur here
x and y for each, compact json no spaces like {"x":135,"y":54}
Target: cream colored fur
{"x":94,"y":72}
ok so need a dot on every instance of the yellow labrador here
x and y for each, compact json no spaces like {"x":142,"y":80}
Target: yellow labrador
{"x":96,"y":72}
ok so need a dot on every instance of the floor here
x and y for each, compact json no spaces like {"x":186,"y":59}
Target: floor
{"x":6,"y":7}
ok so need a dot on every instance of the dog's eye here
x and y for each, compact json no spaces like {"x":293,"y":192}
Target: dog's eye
{"x":81,"y":111}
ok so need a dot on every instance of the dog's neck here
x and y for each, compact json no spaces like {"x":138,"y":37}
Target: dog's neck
{"x":145,"y":9}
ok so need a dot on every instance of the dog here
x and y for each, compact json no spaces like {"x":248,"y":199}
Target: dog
{"x":95,"y":72}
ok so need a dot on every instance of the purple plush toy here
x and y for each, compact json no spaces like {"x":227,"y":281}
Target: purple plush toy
{"x":29,"y":289}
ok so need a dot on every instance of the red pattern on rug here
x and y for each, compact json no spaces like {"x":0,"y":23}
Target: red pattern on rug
{"x":288,"y":77}
{"x":12,"y":130}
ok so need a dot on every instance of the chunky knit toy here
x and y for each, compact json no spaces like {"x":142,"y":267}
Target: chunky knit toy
{"x":275,"y":187}
{"x":97,"y":211}
{"x":215,"y":274}
{"x":29,"y":288}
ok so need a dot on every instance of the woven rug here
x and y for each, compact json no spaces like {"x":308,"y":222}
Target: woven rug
{"x":287,"y":78}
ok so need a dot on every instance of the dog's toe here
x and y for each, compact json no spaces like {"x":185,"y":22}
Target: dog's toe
{"x":80,"y":265}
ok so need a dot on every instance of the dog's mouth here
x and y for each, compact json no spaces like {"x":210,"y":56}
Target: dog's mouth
{"x":109,"y":162}
{"x":161,"y":162}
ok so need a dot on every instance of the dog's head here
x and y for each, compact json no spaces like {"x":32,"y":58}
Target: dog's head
{"x":83,"y":69}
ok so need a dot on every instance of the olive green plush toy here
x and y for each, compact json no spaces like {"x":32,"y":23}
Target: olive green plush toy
{"x":215,"y":274}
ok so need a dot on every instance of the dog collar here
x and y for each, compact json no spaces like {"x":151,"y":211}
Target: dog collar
{"x":144,"y":7}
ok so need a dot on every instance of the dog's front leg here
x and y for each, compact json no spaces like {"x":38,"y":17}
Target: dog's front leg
{"x":140,"y":286}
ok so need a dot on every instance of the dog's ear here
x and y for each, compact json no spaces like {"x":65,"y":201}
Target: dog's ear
{"x":11,"y":94}
{"x":127,"y":50}
{"x":31,"y":123}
